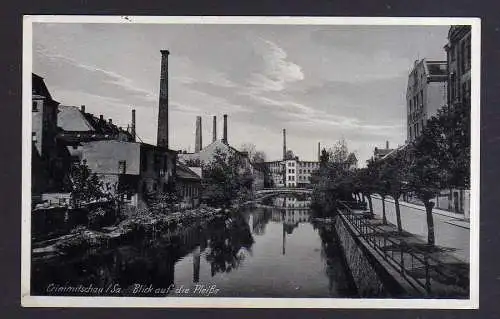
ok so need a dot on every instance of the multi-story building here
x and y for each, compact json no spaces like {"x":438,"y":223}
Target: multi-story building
{"x":275,"y":171}
{"x":458,"y":51}
{"x":291,"y":172}
{"x":141,"y":169}
{"x":43,"y":136}
{"x":425,"y":94}
{"x":304,"y":171}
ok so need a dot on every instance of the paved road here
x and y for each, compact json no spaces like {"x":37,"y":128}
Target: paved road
{"x":450,"y":232}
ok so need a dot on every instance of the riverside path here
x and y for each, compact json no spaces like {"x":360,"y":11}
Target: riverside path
{"x":451,"y":232}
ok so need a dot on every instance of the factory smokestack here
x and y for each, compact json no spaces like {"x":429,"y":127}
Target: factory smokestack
{"x":319,"y":151}
{"x":214,"y":129}
{"x":162,"y":136}
{"x":83,"y":108}
{"x":224,"y":137}
{"x":284,"y":144}
{"x":133,"y":125}
{"x":386,"y":145}
{"x":198,"y":141}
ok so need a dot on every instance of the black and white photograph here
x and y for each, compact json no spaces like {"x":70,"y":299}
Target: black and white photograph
{"x":250,"y":162}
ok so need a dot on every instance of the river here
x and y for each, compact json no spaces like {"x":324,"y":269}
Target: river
{"x":270,"y":250}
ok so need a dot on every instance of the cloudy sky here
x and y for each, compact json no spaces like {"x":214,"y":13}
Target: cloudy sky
{"x":320,"y":82}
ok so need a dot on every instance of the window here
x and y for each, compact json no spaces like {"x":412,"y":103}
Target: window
{"x":34,"y":106}
{"x":421,"y":99}
{"x":33,"y":137}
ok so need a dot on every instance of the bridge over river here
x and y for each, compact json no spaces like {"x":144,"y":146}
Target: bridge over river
{"x":283,"y":190}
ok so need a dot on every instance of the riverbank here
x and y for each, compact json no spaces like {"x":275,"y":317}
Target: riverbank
{"x":139,"y":224}
{"x":386,"y":262}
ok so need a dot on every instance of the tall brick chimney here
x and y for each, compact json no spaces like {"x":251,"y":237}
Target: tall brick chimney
{"x":224,"y":137}
{"x":83,"y":108}
{"x":198,"y":141}
{"x":284,"y":144}
{"x":214,"y":129}
{"x":386,"y":145}
{"x":162,"y":136}
{"x":133,"y":125}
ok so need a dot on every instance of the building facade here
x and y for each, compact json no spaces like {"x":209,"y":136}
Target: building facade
{"x":43,"y":137}
{"x":144,"y":171}
{"x":275,"y":170}
{"x":458,"y":50}
{"x":291,"y":172}
{"x":425,"y":94}
{"x":188,"y":183}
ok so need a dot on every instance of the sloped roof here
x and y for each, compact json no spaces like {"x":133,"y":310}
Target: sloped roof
{"x":70,"y":118}
{"x":38,"y":87}
{"x":184,"y":172}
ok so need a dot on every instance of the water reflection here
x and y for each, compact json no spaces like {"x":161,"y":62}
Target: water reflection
{"x":272,"y":251}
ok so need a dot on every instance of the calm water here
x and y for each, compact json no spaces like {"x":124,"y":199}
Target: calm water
{"x":268,"y":251}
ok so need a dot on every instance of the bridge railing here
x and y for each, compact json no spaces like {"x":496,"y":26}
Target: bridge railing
{"x":409,"y":262}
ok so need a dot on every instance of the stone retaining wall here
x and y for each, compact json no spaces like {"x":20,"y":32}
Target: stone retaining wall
{"x":364,"y":275}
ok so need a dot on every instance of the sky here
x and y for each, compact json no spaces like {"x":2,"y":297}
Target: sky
{"x":321,"y":83}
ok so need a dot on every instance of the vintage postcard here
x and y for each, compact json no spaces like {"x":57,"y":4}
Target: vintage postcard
{"x":250,"y":162}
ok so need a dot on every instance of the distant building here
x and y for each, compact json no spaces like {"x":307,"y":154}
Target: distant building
{"x":458,"y":51}
{"x":188,"y":183}
{"x":379,"y":153}
{"x":206,"y":154}
{"x":425,"y":94}
{"x":275,"y":171}
{"x":291,"y":172}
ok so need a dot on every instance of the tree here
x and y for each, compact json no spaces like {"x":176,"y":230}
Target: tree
{"x":289,"y":155}
{"x":259,"y":157}
{"x":429,"y":169}
{"x":254,"y":155}
{"x":368,"y":177}
{"x":382,"y":188}
{"x":85,"y":185}
{"x":394,"y":174}
{"x":225,"y":178}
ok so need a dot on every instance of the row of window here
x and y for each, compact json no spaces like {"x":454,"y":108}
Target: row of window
{"x":416,"y":103}
{"x":416,"y":129}
{"x":190,"y":191}
{"x":463,"y":54}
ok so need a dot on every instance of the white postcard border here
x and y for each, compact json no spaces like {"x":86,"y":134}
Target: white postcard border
{"x":211,"y":302}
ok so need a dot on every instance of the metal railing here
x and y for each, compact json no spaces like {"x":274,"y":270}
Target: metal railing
{"x":407,"y":261}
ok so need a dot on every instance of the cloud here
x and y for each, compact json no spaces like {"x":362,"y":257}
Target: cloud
{"x":112,"y":77}
{"x":278,"y":71}
{"x":187,"y":72}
